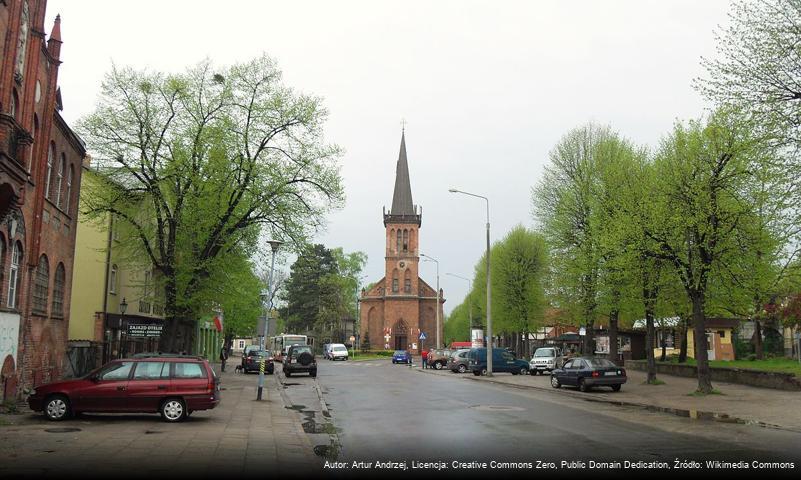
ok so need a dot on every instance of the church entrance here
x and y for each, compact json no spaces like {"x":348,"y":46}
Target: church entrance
{"x":400,"y":335}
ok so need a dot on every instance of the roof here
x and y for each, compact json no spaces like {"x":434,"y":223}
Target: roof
{"x":403,"y":209}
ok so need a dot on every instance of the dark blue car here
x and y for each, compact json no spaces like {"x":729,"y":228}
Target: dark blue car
{"x":401,"y":356}
{"x":588,"y":372}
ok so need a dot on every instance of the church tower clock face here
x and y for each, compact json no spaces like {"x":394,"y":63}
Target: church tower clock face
{"x":402,"y":264}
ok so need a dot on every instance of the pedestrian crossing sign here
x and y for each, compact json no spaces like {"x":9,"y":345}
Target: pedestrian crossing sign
{"x":423,"y":335}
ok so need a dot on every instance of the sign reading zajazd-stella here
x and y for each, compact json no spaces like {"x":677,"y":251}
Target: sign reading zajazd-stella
{"x":144,"y":329}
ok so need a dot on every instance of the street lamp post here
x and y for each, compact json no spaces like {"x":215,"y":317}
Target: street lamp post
{"x":469,"y":303}
{"x":437,"y":262}
{"x":489,"y":292}
{"x":274,"y":244}
{"x":122,"y":352}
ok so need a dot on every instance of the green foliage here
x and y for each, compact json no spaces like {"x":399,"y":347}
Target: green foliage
{"x":201,"y":165}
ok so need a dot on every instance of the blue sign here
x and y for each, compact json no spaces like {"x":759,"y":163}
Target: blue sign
{"x":423,"y":336}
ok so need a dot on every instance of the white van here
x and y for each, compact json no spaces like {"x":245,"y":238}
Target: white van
{"x":337,"y":351}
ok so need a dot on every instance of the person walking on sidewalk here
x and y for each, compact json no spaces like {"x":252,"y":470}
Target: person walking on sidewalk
{"x":223,"y":357}
{"x":425,"y":358}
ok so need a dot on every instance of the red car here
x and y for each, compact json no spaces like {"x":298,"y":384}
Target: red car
{"x":173,"y":386}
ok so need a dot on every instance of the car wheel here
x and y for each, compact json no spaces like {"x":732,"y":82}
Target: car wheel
{"x":555,"y":382}
{"x":173,"y":410}
{"x":57,"y":408}
{"x":462,"y":368}
{"x":438,"y":366}
{"x":476,"y":373}
{"x":523,"y":371}
{"x":483,"y":372}
{"x":616,"y":388}
{"x":582,"y":385}
{"x":393,"y":362}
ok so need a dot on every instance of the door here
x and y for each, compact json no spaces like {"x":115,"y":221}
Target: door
{"x":401,"y":342}
{"x":710,"y":345}
{"x":573,"y":371}
{"x":148,"y":385}
{"x":107,"y":393}
{"x":506,"y":364}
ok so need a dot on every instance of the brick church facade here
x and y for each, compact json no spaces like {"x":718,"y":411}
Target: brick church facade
{"x":40,"y":177}
{"x":399,"y":306}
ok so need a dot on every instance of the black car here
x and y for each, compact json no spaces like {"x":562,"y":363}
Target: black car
{"x":588,"y":372}
{"x":300,"y":359}
{"x":251,"y":358}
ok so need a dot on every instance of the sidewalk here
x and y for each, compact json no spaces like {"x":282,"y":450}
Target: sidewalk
{"x":240,"y":436}
{"x":736,"y":404}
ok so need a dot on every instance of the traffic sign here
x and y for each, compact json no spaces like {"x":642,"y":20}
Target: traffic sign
{"x":423,"y":335}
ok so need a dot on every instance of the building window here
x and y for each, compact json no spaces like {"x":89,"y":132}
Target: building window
{"x":58,"y":292}
{"x":2,"y":262}
{"x":241,"y":344}
{"x":407,"y":286}
{"x":722,"y":333}
{"x":394,"y":285}
{"x":398,"y":245}
{"x":14,"y":104}
{"x":60,"y":179}
{"x":68,"y":196}
{"x":112,"y":280}
{"x":405,"y":240}
{"x":144,"y":303}
{"x":51,"y":152}
{"x":13,"y":275}
{"x":41,"y":286}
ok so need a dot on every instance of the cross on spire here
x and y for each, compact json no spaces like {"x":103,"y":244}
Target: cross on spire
{"x":403,"y":124}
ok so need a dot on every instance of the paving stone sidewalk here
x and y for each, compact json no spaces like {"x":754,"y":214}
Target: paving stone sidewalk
{"x":736,"y":403}
{"x":240,"y":436}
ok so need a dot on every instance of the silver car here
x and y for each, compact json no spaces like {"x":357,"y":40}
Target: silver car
{"x":546,"y":359}
{"x":458,"y":361}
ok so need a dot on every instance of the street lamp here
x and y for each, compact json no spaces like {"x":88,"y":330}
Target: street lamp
{"x":431,"y":259}
{"x":469,"y":303}
{"x":123,"y":307}
{"x":489,"y":292}
{"x":274,"y":244}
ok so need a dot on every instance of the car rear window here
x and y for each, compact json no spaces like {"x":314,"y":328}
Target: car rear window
{"x":600,"y":362}
{"x":151,"y":370}
{"x":189,"y":370}
{"x":340,"y":349}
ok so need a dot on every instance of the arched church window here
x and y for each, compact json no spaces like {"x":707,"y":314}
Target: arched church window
{"x":394,"y":285}
{"x":391,"y":238}
{"x":407,"y":282}
{"x":412,"y":243}
{"x":406,"y":240}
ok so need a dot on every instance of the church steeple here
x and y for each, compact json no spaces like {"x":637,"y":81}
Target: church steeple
{"x":403,"y":209}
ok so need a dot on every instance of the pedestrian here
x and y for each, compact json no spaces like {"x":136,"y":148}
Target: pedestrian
{"x":425,"y":357}
{"x":223,"y":357}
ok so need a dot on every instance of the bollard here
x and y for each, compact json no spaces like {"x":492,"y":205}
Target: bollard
{"x":261,"y":379}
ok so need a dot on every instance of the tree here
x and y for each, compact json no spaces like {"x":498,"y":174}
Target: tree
{"x":206,"y":162}
{"x":704,"y":171}
{"x":564,"y":206}
{"x":758,"y":66}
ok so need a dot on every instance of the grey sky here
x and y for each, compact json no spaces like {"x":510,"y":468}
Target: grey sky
{"x":487,"y":89}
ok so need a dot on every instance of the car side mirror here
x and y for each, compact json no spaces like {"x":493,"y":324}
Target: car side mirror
{"x":95,"y":378}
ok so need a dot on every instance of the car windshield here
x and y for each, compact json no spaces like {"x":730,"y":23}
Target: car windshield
{"x":544,"y":352}
{"x":399,"y":352}
{"x":600,"y":362}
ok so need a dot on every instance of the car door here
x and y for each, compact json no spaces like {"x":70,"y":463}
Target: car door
{"x":507,"y":361}
{"x":575,"y":371}
{"x":562,"y":375}
{"x":189,"y":380}
{"x":107,"y":392}
{"x":149,"y":383}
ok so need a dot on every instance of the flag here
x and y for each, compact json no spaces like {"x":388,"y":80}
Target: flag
{"x":218,"y":322}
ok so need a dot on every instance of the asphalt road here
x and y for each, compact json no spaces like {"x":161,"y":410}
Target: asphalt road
{"x":385,"y":412}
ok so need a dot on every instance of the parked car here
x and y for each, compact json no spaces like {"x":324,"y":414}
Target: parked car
{"x":251,"y":358}
{"x":458,"y":361}
{"x":300,"y":359}
{"x":438,"y":358}
{"x":338,"y":351}
{"x":546,"y":359}
{"x":401,"y":356}
{"x":588,"y":372}
{"x":172,"y":385}
{"x":502,"y":361}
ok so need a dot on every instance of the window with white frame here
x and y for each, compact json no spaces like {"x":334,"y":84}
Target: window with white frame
{"x":51,"y":153}
{"x":13,"y":275}
{"x":112,"y":280}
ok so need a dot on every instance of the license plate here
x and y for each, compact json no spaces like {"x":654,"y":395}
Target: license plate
{"x":610,"y":373}
{"x":293,"y":361}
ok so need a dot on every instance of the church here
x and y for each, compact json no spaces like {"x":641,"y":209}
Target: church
{"x":397,"y":308}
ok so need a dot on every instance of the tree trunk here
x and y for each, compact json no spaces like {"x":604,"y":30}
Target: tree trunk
{"x":664,"y":345}
{"x":699,"y":331}
{"x":613,"y":353}
{"x":167,"y":342}
{"x":683,"y":350}
{"x":649,"y":344}
{"x":758,"y":348}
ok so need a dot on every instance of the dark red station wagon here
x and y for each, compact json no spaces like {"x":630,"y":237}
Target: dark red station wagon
{"x":174,"y":386}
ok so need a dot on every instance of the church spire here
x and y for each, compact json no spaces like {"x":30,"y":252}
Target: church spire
{"x":403,"y":209}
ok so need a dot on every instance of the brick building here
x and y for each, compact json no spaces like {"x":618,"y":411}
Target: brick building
{"x":399,"y":306}
{"x":40,"y":174}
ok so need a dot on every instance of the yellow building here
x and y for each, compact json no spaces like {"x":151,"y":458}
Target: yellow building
{"x":116,"y":310}
{"x":719,"y":332}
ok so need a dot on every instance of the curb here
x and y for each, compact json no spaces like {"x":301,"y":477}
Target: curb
{"x":286,"y":403}
{"x":679,"y":412}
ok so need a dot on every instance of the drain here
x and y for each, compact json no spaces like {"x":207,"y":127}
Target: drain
{"x":290,"y":384}
{"x":497,"y":408}
{"x":62,"y":430}
{"x":296,"y":407}
{"x":149,"y":432}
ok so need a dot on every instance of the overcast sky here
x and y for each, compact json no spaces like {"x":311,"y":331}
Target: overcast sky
{"x":487,"y":89}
